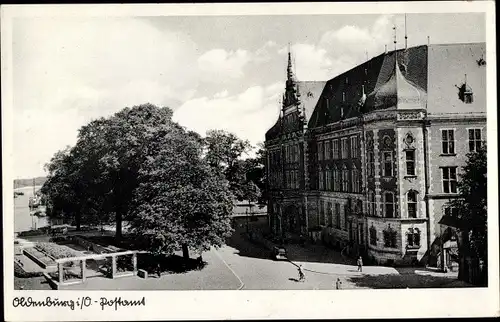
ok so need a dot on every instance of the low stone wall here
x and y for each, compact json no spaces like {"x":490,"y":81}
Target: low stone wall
{"x":39,"y":262}
{"x":98,"y":249}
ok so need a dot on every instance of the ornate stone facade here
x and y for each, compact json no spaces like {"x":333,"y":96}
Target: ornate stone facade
{"x":372,"y":175}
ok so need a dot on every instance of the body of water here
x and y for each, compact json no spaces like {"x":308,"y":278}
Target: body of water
{"x":22,"y":219}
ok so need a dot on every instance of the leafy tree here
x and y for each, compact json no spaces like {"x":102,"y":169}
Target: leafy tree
{"x":139,"y":165}
{"x":472,"y":207}
{"x":224,"y":153}
{"x":180,"y":200}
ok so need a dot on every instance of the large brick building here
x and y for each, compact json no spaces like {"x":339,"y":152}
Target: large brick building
{"x":371,"y":157}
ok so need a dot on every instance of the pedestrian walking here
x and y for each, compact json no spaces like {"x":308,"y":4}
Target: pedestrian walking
{"x":360,"y":264}
{"x":338,"y":284}
{"x":302,"y":277}
{"x":158,"y":270}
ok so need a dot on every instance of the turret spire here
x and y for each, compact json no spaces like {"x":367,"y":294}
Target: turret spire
{"x":289,"y":69}
{"x":292,"y":96}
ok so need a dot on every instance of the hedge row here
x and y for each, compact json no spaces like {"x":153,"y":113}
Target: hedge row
{"x":57,"y":251}
{"x":21,"y":273}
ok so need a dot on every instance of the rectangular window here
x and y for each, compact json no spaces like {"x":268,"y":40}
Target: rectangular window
{"x":388,"y":164}
{"x":320,"y":151}
{"x":372,"y":204}
{"x":322,"y":213}
{"x":371,"y":164}
{"x":336,"y":180}
{"x":321,"y":178}
{"x":474,"y":140}
{"x":346,"y":213}
{"x":412,"y":204}
{"x":354,"y":147}
{"x":336,"y":151}
{"x":449,"y":179}
{"x":344,"y":148}
{"x":327,"y":179}
{"x":361,"y":234}
{"x":345,"y":180}
{"x":355,"y":181}
{"x":373,"y":236}
{"x":413,"y":237}
{"x":389,"y":205}
{"x":330,"y":214}
{"x":410,"y":163}
{"x":328,"y":151}
{"x":337,"y":215}
{"x":448,"y":141}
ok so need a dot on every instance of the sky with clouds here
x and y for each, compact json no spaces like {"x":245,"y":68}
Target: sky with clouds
{"x":224,"y":72}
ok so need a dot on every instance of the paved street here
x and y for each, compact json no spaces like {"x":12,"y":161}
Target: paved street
{"x":244,"y":265}
{"x":322,"y":266}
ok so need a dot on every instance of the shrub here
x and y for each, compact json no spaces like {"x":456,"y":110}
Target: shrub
{"x":60,"y":239}
{"x":38,"y":232}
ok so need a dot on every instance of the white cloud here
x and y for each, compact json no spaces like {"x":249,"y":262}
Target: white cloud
{"x":341,"y":49}
{"x":67,"y":72}
{"x":310,"y":62}
{"x":221,"y":65}
{"x":355,"y":41}
{"x":222,"y":94}
{"x":263,"y":54}
{"x":249,"y":114}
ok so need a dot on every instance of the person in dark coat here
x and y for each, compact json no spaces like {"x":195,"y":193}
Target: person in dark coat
{"x":338,"y":284}
{"x":360,"y":264}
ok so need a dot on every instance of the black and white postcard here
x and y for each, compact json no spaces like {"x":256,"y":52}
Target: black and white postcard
{"x":249,"y":161}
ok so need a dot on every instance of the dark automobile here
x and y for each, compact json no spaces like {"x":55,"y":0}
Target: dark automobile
{"x":279,"y":253}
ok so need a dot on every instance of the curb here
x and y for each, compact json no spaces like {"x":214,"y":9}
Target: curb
{"x":232,"y":271}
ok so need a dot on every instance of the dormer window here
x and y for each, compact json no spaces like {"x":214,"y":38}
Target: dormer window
{"x":465,"y":93}
{"x":468,"y":98}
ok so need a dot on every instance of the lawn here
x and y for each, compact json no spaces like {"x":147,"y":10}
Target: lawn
{"x":32,"y":283}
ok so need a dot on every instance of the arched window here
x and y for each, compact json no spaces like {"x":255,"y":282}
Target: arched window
{"x":388,"y":163}
{"x":411,"y":200}
{"x":373,"y":236}
{"x":413,"y":237}
{"x":389,"y":205}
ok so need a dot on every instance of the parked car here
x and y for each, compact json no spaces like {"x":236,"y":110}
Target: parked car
{"x":279,"y":253}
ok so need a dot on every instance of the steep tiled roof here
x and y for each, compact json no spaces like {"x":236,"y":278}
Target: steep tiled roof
{"x":344,"y":92}
{"x":448,"y":65}
{"x":310,"y":92}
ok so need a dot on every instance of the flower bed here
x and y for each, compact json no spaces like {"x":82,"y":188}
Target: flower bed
{"x":57,"y":251}
{"x":38,"y":257}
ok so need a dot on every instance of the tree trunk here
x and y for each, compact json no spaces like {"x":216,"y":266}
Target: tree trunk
{"x":119,"y":217}
{"x":78,"y":221}
{"x":185,"y":251}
